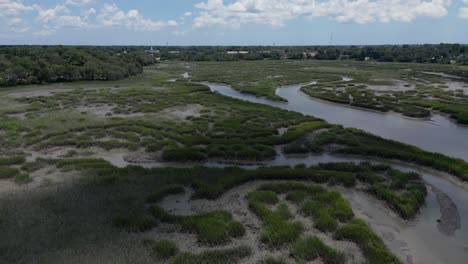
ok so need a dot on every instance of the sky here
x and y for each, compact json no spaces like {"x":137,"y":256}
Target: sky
{"x":233,"y":22}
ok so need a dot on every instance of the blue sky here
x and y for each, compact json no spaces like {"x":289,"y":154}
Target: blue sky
{"x":233,"y":22}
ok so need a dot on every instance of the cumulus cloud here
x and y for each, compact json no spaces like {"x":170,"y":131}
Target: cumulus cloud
{"x":58,"y":17}
{"x":277,"y":12}
{"x":16,"y":17}
{"x":11,"y":8}
{"x":112,"y":16}
{"x":79,"y":2}
{"x":463,"y":11}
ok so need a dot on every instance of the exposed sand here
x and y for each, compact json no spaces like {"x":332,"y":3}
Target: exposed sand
{"x":45,"y":177}
{"x":449,"y":222}
{"x":398,"y":86}
{"x":414,"y":242}
{"x":181,"y":112}
{"x":46,"y":93}
{"x":234,"y":201}
{"x":444,"y":75}
{"x":142,"y":157}
{"x":99,"y":110}
{"x":282,"y":130}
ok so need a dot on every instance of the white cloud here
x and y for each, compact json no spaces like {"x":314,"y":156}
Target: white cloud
{"x":47,"y":15}
{"x":15,"y":21}
{"x":463,"y":11}
{"x":277,"y":12}
{"x":11,"y":8}
{"x":110,"y":15}
{"x":59,"y":17}
{"x":16,"y":17}
{"x":11,"y":13}
{"x":89,"y":12}
{"x":78,"y":2}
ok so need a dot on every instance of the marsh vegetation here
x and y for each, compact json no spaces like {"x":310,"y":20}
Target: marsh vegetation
{"x":79,"y":207}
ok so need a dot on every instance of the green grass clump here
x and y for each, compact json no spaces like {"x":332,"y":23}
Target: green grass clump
{"x":34,"y":166}
{"x":278,"y":230}
{"x":226,"y":256}
{"x":5,"y":161}
{"x":184,"y":154}
{"x":134,"y":222}
{"x":371,"y":245}
{"x":163,"y":249}
{"x":165,"y":191}
{"x":161,"y":215}
{"x":311,"y":248}
{"x":297,"y":132}
{"x":266,"y":197}
{"x":23,"y":178}
{"x":7,"y":172}
{"x":213,"y":228}
{"x":326,"y":209}
{"x":272,"y":260}
{"x":297,"y":197}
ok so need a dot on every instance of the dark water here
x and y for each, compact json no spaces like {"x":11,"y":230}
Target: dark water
{"x":439,"y":134}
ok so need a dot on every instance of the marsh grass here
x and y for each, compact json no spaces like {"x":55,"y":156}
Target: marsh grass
{"x":272,"y":260}
{"x":16,"y":160}
{"x":226,"y":256}
{"x":371,"y":245}
{"x":136,"y":222}
{"x":311,"y":248}
{"x":23,"y":178}
{"x":7,"y":172}
{"x":330,"y":213}
{"x":165,"y":191}
{"x":278,"y":230}
{"x":213,"y":228}
{"x":162,"y":249}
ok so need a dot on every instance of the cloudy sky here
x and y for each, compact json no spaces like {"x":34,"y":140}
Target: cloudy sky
{"x":233,"y":22}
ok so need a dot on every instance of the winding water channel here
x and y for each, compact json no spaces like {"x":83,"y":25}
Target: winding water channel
{"x":439,"y":134}
{"x":421,"y":240}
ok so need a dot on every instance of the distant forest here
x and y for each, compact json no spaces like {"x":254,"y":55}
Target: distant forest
{"x":45,"y":64}
{"x":440,"y":53}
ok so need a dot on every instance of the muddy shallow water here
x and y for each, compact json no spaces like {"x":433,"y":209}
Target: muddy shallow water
{"x":439,"y":134}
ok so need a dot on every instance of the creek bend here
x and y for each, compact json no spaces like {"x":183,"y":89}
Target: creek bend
{"x":439,"y":134}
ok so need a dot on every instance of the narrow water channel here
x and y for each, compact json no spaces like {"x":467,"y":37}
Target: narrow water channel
{"x":439,"y":134}
{"x":420,"y":240}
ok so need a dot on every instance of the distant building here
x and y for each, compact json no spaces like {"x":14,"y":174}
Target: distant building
{"x":152,"y":51}
{"x":174,"y":52}
{"x":237,"y":52}
{"x":309,"y":54}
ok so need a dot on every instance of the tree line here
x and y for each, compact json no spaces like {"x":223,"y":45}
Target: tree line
{"x":44,"y":64}
{"x":440,"y":53}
